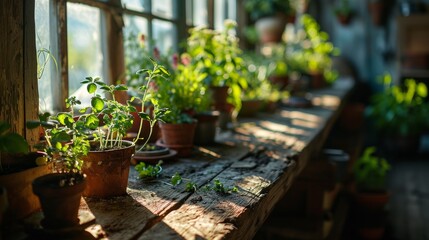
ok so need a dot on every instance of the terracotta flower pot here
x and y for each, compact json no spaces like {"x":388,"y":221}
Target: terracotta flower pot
{"x":372,"y":201}
{"x":60,"y":205}
{"x":317,"y":80}
{"x":250,"y":108}
{"x":179,"y":137}
{"x":107,"y":171}
{"x":219,"y":96}
{"x":205,"y":131}
{"x":22,"y":201}
{"x":270,"y":29}
{"x":281,"y":81}
{"x":377,"y":10}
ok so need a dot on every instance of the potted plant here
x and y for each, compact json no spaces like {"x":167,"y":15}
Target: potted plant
{"x":270,"y":17}
{"x":18,"y":168}
{"x":66,"y":145}
{"x":152,"y":114}
{"x":183,"y":95}
{"x":344,"y":12}
{"x":377,"y":9}
{"x":260,"y":92}
{"x":370,"y":172}
{"x":139,"y":56}
{"x":390,"y":112}
{"x":108,"y":161}
{"x":312,"y":54}
{"x":217,"y":56}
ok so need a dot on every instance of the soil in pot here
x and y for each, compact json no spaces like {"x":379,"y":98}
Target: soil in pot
{"x":60,"y":195}
{"x":17,"y":182}
{"x":205,"y":132}
{"x":107,"y":171}
{"x":179,"y":137}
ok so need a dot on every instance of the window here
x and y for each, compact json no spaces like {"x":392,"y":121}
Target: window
{"x":84,"y":42}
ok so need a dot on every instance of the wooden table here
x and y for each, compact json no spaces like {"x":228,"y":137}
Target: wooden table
{"x":261,"y":157}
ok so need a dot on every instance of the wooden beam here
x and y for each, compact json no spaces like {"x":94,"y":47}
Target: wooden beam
{"x":12,"y":64}
{"x":31,"y":93}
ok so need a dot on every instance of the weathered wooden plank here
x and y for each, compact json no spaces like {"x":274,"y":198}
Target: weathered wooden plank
{"x":261,"y":183}
{"x":12,"y":64}
{"x":147,"y":202}
{"x":31,"y":94}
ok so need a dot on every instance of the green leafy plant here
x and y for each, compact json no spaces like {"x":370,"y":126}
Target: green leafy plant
{"x":217,"y":56}
{"x":139,"y":55}
{"x":66,"y":139}
{"x":400,"y":109}
{"x":150,"y":94}
{"x":343,"y":9}
{"x":370,"y":171}
{"x":263,"y":8}
{"x":11,"y":142}
{"x":148,"y":171}
{"x":258,"y":70}
{"x":311,"y":51}
{"x":184,"y":95}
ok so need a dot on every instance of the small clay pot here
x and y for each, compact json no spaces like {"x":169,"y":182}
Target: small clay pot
{"x":179,"y":137}
{"x":60,"y":204}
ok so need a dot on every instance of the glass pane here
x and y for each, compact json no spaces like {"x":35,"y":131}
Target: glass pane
{"x":224,"y":10}
{"x":136,"y":43}
{"x":84,"y":47}
{"x":164,"y":36}
{"x":164,"y":8}
{"x":138,"y":5}
{"x":135,"y":26}
{"x":44,"y":61}
{"x":200,"y":14}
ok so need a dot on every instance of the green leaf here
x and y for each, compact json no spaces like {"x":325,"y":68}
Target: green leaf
{"x":97,"y":103}
{"x":422,"y":90}
{"x":92,"y":87}
{"x":30,"y":125}
{"x":176,"y":179}
{"x":144,"y":116}
{"x":164,"y":70}
{"x":141,"y":71}
{"x":121,"y":88}
{"x":61,"y":137}
{"x":14,"y":143}
{"x":92,"y":122}
{"x":65,"y":118}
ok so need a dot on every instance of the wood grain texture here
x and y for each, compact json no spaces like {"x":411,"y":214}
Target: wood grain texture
{"x":12,"y":64}
{"x":31,"y":94}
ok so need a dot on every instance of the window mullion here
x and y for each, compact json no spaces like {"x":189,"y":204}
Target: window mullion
{"x":60,"y":26}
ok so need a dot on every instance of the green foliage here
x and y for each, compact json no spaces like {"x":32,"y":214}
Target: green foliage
{"x":217,"y":56}
{"x":191,"y":186}
{"x":400,"y":110}
{"x":11,"y":142}
{"x":148,"y":171}
{"x":116,"y":117}
{"x":157,"y":76}
{"x":258,"y":69}
{"x":184,"y":94}
{"x":311,"y":51}
{"x":370,"y":171}
{"x":66,"y":137}
{"x":138,"y":55}
{"x":263,"y":8}
{"x":343,"y":9}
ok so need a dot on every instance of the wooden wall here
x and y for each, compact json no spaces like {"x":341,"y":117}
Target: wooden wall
{"x":18,"y":66}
